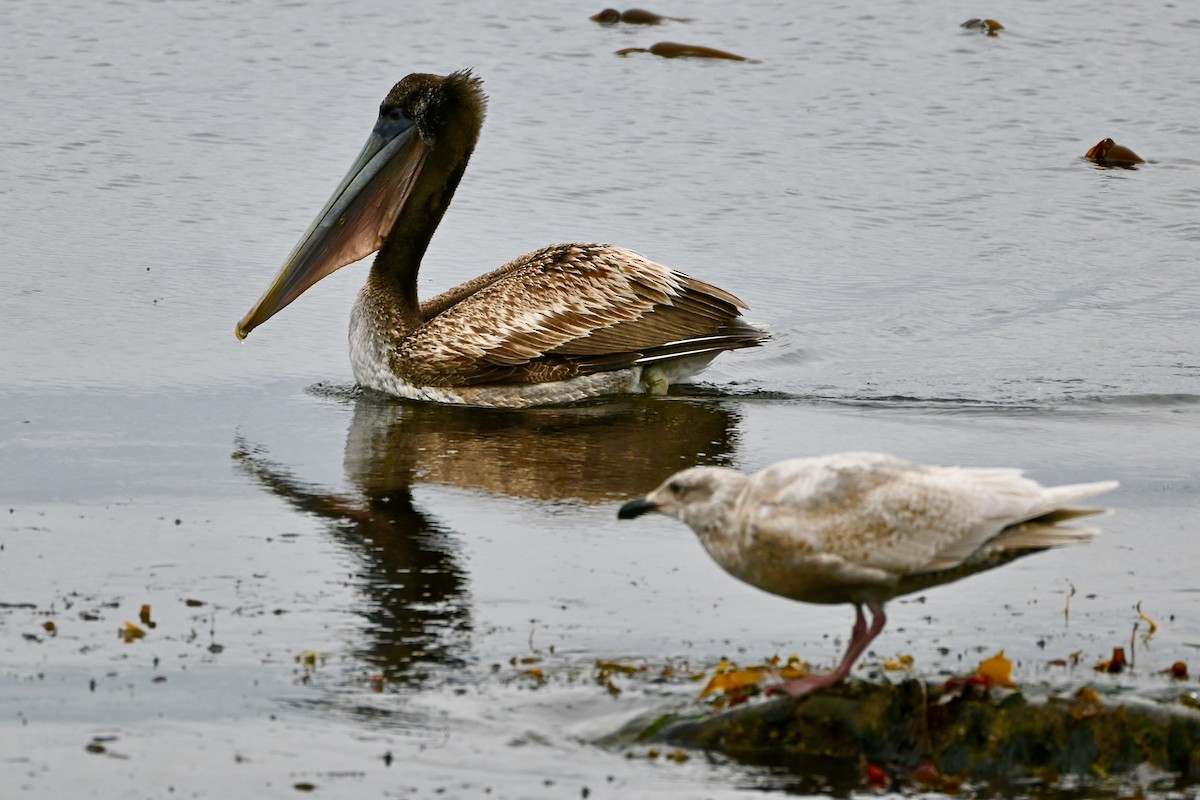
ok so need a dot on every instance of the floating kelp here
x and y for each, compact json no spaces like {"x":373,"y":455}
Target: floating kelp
{"x":1110,"y":154}
{"x":986,"y":26}
{"x":633,"y":16}
{"x":676,"y":50}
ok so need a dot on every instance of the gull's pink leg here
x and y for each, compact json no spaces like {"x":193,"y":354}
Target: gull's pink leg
{"x":860,"y":637}
{"x":860,"y":623}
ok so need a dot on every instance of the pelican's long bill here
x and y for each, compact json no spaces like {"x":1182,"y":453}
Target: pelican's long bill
{"x":354,"y":222}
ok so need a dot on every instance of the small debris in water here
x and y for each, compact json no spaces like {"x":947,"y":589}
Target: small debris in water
{"x":1071,"y":660}
{"x":985,"y":26}
{"x":97,"y":744}
{"x":131,"y":633}
{"x":1108,"y":153}
{"x":1152,"y":626}
{"x":739,"y":684}
{"x":876,"y":778}
{"x":190,"y":603}
{"x":928,"y":775}
{"x":677,"y":50}
{"x":996,"y":671}
{"x":731,"y":680}
{"x":1114,"y":664}
{"x":632,"y":16}
{"x":1087,"y":704}
{"x":605,"y":670}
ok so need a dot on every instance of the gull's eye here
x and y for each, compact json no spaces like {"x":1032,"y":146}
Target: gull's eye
{"x":674,"y":487}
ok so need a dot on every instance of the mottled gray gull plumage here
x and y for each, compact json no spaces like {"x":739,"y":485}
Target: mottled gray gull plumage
{"x":862,"y":528}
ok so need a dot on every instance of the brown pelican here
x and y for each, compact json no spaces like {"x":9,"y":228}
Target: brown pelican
{"x":563,"y":323}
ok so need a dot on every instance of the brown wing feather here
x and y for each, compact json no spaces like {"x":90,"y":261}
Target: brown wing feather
{"x":567,"y":310}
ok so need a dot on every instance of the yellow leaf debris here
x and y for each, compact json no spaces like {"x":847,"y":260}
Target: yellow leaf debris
{"x":996,"y":670}
{"x":131,"y":632}
{"x":734,"y":680}
{"x":1151,"y":625}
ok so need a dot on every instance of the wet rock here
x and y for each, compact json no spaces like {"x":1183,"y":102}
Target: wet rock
{"x":968,"y":731}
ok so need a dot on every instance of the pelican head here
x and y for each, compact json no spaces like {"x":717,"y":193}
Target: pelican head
{"x":423,"y":118}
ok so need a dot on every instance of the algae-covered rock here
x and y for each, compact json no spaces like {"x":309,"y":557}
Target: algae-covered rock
{"x":968,"y":731}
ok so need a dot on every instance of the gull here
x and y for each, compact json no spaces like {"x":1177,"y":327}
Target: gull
{"x":863,"y":528}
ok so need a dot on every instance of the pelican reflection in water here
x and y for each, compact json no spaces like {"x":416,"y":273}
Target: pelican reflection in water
{"x":417,"y":613}
{"x":563,"y":323}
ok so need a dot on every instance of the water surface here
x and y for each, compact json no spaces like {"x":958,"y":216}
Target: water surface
{"x":344,"y":587}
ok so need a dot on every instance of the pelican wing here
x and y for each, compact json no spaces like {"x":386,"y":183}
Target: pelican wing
{"x":568,"y":310}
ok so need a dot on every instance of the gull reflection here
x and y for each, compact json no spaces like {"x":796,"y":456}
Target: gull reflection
{"x":417,"y":608}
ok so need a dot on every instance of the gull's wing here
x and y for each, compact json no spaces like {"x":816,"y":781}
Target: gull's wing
{"x":882,"y":513}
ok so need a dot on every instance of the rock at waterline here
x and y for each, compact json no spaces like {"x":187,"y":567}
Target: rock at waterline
{"x":969,"y":732}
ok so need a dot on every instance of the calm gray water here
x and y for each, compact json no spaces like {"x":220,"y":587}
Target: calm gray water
{"x":904,"y":202}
